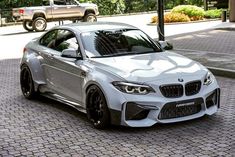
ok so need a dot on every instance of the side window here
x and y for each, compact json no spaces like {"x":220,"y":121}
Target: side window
{"x":49,"y":39}
{"x":60,"y":40}
{"x":71,"y":2}
{"x":59,"y":2}
{"x":66,"y":40}
{"x":46,"y":3}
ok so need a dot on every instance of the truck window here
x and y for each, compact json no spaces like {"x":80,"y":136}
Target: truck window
{"x":59,"y":2}
{"x":71,"y":2}
{"x":45,"y":3}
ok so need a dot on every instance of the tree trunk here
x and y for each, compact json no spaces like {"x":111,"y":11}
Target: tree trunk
{"x":232,"y":10}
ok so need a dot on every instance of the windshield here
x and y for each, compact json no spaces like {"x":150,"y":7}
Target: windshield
{"x":117,"y":42}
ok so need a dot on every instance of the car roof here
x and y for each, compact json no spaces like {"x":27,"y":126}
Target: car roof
{"x":94,"y":26}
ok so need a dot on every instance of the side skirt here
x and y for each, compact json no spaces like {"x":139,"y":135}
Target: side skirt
{"x":63,"y":100}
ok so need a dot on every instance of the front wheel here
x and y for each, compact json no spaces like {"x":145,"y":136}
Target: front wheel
{"x":90,"y":18}
{"x":39,"y":24}
{"x":26,"y":83}
{"x":28,"y":25}
{"x":96,"y":107}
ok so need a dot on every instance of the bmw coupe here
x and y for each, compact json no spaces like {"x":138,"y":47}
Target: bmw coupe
{"x":117,"y":74}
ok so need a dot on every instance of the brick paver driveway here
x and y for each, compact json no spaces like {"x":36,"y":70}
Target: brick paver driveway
{"x":47,"y":128}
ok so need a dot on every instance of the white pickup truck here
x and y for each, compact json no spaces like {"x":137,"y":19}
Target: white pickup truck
{"x":36,"y":17}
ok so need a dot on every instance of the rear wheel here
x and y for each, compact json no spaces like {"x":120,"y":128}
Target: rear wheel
{"x":96,"y":107}
{"x":39,"y":24}
{"x":90,"y":18}
{"x":26,"y":83}
{"x":28,"y":25}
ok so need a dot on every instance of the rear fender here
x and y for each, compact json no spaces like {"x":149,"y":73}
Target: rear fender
{"x":32,"y":60}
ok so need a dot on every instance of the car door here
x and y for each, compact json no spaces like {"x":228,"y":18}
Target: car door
{"x":64,"y":75}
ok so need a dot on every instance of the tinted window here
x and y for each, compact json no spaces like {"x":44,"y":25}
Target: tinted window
{"x":66,"y":40}
{"x":48,"y":38}
{"x":59,"y":2}
{"x":117,"y":42}
{"x":71,"y":2}
{"x":46,"y":3}
{"x":59,"y":40}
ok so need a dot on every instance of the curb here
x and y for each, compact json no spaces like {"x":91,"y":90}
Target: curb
{"x":190,"y":22}
{"x":222,"y":72}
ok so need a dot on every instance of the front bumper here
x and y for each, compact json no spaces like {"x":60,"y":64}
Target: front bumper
{"x":137,"y":113}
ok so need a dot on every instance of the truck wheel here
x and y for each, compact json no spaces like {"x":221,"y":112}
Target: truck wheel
{"x":28,"y":25}
{"x":90,"y":18}
{"x":39,"y":24}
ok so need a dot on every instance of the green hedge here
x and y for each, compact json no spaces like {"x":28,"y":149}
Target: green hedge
{"x":194,"y":12}
{"x":216,"y":13}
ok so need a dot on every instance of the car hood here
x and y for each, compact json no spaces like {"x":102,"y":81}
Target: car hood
{"x":150,"y":67}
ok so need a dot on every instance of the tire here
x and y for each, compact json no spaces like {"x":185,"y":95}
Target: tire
{"x":39,"y":24}
{"x":26,"y":83}
{"x":90,"y":18}
{"x":28,"y":25}
{"x":96,"y":107}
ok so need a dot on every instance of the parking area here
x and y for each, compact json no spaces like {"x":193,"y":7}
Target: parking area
{"x":47,"y":128}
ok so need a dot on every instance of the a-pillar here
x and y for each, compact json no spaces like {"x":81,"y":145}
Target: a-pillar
{"x":232,"y":10}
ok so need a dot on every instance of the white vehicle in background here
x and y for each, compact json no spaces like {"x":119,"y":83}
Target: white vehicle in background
{"x":36,"y":17}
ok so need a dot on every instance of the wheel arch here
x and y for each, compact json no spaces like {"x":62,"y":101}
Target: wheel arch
{"x":39,"y":14}
{"x":93,"y":83}
{"x":36,"y":70}
{"x":88,"y":11}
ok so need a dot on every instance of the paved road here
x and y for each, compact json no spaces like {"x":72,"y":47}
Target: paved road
{"x":47,"y":128}
{"x":213,"y":40}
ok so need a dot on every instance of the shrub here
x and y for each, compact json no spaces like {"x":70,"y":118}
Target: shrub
{"x":172,"y":17}
{"x":194,"y":12}
{"x":216,"y":13}
{"x":176,"y":17}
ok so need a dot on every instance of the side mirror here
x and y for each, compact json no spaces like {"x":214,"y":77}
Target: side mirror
{"x":165,"y":45}
{"x":69,"y":53}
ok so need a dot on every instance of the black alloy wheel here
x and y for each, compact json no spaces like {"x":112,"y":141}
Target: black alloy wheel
{"x":96,"y":107}
{"x":26,"y":83}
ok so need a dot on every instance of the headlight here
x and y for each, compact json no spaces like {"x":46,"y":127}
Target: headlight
{"x":132,"y":88}
{"x":208,"y":79}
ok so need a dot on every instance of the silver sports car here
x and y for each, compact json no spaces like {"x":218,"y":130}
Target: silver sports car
{"x":117,"y":74}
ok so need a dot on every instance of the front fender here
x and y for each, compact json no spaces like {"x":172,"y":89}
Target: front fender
{"x":114,"y":98}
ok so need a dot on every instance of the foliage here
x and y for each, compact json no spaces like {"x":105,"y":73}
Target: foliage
{"x":216,"y":13}
{"x":169,"y":4}
{"x":176,"y":17}
{"x":109,"y":7}
{"x":194,"y":12}
{"x":172,"y":17}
